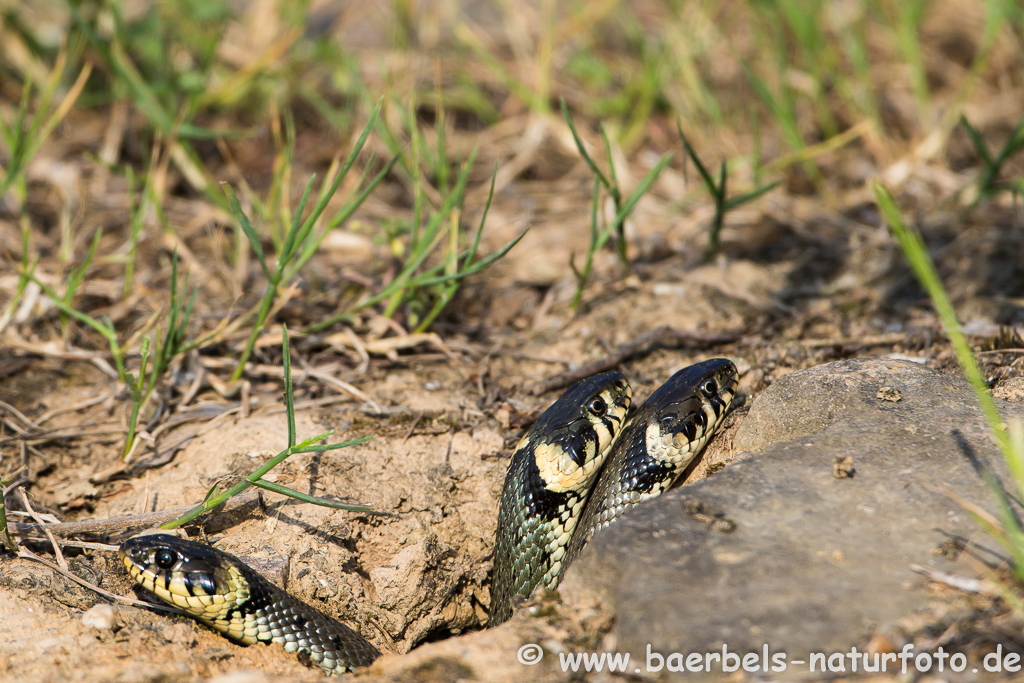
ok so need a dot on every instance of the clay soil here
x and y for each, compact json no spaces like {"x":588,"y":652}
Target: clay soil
{"x":807,"y":274}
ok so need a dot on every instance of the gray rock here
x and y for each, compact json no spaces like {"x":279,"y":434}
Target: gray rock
{"x":806,"y":546}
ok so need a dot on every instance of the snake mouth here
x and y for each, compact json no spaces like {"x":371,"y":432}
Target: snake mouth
{"x":738,"y":401}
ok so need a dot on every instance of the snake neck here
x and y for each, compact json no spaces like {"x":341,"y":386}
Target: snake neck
{"x":538,"y":523}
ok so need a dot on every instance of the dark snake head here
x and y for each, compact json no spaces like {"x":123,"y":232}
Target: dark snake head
{"x":679,"y":418}
{"x":661,"y":439}
{"x":694,"y":400}
{"x":571,"y":440}
{"x":225,"y":594}
{"x":196,"y":578}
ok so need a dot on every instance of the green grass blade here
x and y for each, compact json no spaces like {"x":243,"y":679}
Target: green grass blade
{"x":106,"y":331}
{"x":306,"y":498}
{"x":980,"y":148}
{"x":583,"y":151}
{"x":642,"y":187}
{"x":356,"y":149}
{"x":742,"y":199}
{"x":296,"y":234}
{"x":916,"y":255}
{"x":308,"y":447}
{"x":286,"y":360}
{"x":483,"y":219}
{"x":616,"y":197}
{"x":920,"y":262}
{"x":718,"y":220}
{"x":584,"y":274}
{"x":1010,"y":147}
{"x":250,"y":233}
{"x":474,"y":268}
{"x":709,"y":182}
{"x":211,"y":502}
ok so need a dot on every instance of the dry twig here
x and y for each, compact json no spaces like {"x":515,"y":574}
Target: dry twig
{"x":239,"y":504}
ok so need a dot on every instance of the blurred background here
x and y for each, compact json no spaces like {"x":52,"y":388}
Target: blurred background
{"x":135,"y":117}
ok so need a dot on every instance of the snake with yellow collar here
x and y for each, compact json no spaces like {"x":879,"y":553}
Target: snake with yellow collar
{"x":585,"y":461}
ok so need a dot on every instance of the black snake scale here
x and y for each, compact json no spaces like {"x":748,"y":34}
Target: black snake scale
{"x":550,"y":507}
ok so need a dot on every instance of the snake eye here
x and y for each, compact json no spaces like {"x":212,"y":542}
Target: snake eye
{"x":166,"y":558}
{"x":597,"y":406}
{"x":709,"y":388}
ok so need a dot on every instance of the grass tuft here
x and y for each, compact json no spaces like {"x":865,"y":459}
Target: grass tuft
{"x":623,"y":207}
{"x":988,"y":183}
{"x":300,"y":242}
{"x":169,"y":346}
{"x":24,"y":136}
{"x":215,"y":497}
{"x":718,"y":192}
{"x":419,"y":290}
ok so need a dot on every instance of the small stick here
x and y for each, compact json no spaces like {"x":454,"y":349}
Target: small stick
{"x":419,"y":416}
{"x":961,"y":583}
{"x":116,"y":524}
{"x":18,"y":414}
{"x":29,"y":555}
{"x":451,"y":440}
{"x":50,"y":414}
{"x":70,"y":432}
{"x":32,"y":513}
{"x":641,"y":346}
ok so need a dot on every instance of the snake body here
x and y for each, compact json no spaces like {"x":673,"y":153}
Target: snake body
{"x":551,"y":472}
{"x":221,"y":591}
{"x":550,"y":506}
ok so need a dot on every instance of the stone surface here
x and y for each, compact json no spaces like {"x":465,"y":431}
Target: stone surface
{"x":807,"y":401}
{"x":806,"y":546}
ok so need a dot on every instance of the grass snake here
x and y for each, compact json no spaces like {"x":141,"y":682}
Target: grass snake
{"x":589,"y":457}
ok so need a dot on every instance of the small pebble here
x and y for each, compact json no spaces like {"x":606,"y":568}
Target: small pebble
{"x":842,"y":468}
{"x":47,"y":644}
{"x":102,"y":617}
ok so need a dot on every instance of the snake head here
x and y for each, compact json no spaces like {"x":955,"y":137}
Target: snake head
{"x":573,"y":437}
{"x":187,"y":575}
{"x":690,"y":406}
